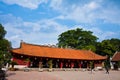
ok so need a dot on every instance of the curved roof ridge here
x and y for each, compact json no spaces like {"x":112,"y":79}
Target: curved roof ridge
{"x":47,"y":46}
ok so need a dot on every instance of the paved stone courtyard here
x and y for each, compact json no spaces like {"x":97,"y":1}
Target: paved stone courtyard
{"x":63,"y":75}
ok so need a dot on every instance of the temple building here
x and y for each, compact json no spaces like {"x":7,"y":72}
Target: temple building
{"x":116,"y":60}
{"x":41,"y":56}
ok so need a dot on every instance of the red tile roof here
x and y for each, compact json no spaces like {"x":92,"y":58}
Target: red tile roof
{"x":52,"y":52}
{"x":116,"y":56}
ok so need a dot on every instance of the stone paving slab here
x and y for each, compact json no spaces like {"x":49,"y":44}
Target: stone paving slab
{"x":63,"y":75}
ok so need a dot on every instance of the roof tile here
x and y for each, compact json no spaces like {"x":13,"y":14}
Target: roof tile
{"x":116,"y":56}
{"x":52,"y":52}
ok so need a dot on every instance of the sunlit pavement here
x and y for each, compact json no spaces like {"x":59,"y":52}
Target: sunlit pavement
{"x":63,"y":75}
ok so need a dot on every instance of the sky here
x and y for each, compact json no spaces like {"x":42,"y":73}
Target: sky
{"x":42,"y":21}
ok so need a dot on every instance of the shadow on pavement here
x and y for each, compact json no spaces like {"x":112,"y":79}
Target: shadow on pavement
{"x":10,"y":74}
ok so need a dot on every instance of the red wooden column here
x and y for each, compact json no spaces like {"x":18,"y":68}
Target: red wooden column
{"x":61,"y":64}
{"x":72,"y":64}
{"x":80,"y":65}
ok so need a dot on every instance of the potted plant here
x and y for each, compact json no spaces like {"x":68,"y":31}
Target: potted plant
{"x":50,"y":65}
{"x":13,"y":63}
{"x":40,"y":66}
{"x":91,"y":66}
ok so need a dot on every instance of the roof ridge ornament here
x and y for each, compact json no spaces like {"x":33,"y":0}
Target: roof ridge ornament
{"x":21,"y":41}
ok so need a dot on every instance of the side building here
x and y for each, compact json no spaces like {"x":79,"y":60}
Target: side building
{"x":116,"y":60}
{"x":42,"y":56}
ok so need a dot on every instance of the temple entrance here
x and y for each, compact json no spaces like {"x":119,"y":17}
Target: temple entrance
{"x":56,"y":63}
{"x":84,"y":64}
{"x":34,"y":63}
{"x":45,"y":63}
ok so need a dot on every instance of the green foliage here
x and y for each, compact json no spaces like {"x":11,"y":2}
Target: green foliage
{"x":50,"y":64}
{"x":27,"y":59}
{"x":116,"y":43}
{"x":78,"y":39}
{"x":90,"y":47}
{"x":2,"y":32}
{"x":5,"y":47}
{"x":107,"y":62}
{"x":91,"y":65}
{"x":81,"y":39}
{"x":108,"y":47}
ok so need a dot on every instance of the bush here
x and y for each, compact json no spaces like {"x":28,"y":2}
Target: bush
{"x":50,"y":64}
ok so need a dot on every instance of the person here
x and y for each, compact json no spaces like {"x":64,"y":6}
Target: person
{"x":107,"y":69}
{"x":40,"y":64}
{"x":31,"y":64}
{"x":106,"y":65}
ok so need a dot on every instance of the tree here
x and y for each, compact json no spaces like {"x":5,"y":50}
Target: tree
{"x":2,"y":32}
{"x":5,"y":46}
{"x":78,"y":39}
{"x":116,"y":43}
{"x":108,"y":47}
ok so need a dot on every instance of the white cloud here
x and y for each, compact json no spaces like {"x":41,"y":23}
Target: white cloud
{"x":44,"y":31}
{"x":9,"y":18}
{"x":88,"y":12}
{"x":91,"y":6}
{"x":102,"y":35}
{"x":85,"y":13}
{"x":75,"y":11}
{"x":48,"y":31}
{"x":80,"y":15}
{"x":32,"y":4}
{"x":41,"y":32}
{"x":56,"y":4}
{"x":111,"y":15}
{"x":107,"y":35}
{"x":35,"y":26}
